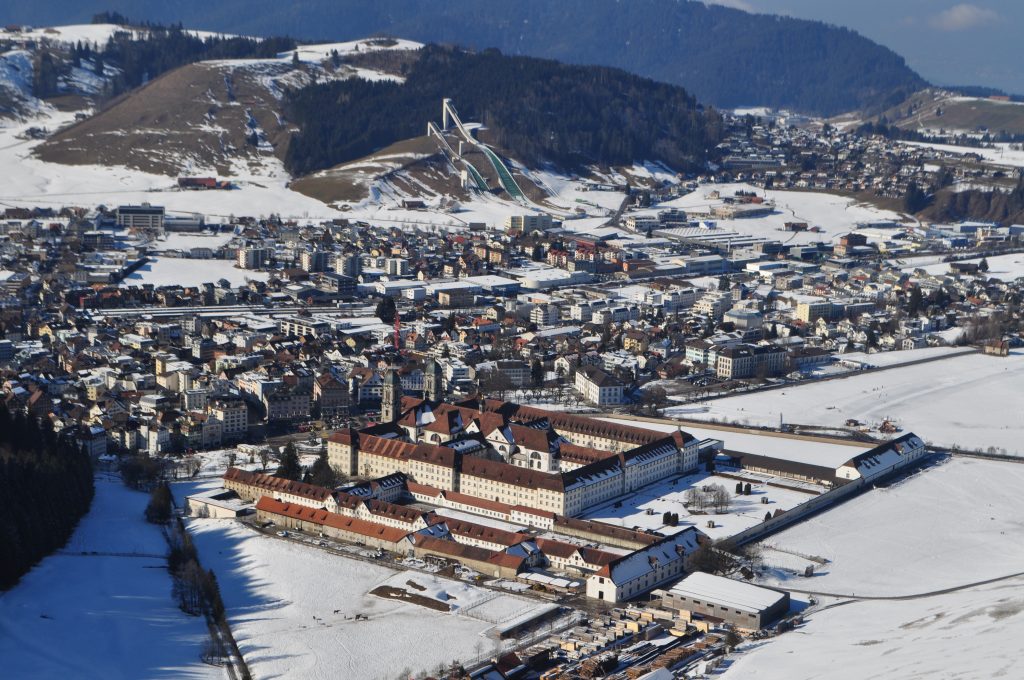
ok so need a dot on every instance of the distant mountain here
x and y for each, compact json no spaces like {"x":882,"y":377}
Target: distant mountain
{"x":724,"y":56}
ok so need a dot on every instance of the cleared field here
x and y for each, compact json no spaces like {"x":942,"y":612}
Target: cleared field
{"x":899,"y":540}
{"x":293,"y":609}
{"x":971,"y":401}
{"x":946,"y":526}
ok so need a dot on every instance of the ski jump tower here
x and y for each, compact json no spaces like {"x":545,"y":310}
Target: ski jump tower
{"x":450,"y":116}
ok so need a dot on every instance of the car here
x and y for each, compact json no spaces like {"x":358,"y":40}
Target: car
{"x":282,"y":534}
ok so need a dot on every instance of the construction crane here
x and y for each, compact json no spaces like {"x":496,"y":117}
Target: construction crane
{"x":398,"y":331}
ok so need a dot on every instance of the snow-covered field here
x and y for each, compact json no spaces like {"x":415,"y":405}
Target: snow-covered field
{"x":835,"y":215}
{"x":969,"y":635}
{"x":169,"y":271}
{"x":945,"y":526}
{"x":744,"y":511}
{"x":899,"y":357}
{"x":292,"y":608}
{"x":1002,"y":154}
{"x":181,"y":241}
{"x":972,"y":401}
{"x":97,"y":616}
{"x":93,"y":34}
{"x":899,"y":540}
{"x":1004,"y":267}
{"x":262,"y":190}
{"x":815,"y":452}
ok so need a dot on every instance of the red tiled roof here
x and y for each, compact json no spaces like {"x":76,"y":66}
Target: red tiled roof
{"x":279,"y":484}
{"x":504,"y":473}
{"x":423,"y":489}
{"x":482,"y":503}
{"x":582,"y":454}
{"x":396,"y":448}
{"x":331,"y":519}
{"x":480,"y":532}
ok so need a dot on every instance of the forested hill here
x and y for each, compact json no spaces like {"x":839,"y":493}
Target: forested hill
{"x":723,"y":56}
{"x":46,"y":486}
{"x":535,"y":110}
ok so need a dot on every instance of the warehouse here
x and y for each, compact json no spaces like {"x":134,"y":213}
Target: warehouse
{"x":745,"y":606}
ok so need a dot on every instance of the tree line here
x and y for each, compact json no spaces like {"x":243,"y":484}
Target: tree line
{"x":46,"y":486}
{"x":533,"y":109}
{"x":141,"y":59}
{"x":978,"y":204}
{"x":137,"y":58}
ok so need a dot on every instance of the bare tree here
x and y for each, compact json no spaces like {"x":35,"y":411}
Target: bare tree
{"x":694,"y":498}
{"x":264,"y":458}
{"x":719,"y":498}
{"x":496,"y":383}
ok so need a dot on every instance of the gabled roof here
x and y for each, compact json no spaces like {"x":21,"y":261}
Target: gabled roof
{"x":480,"y":532}
{"x":532,"y":438}
{"x":278,"y":484}
{"x":331,"y":519}
{"x":504,"y":473}
{"x":396,"y":448}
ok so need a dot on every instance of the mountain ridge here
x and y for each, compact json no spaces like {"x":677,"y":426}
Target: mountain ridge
{"x":725,"y":57}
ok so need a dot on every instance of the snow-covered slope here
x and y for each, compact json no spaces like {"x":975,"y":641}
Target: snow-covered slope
{"x":209,"y":117}
{"x":16,"y":98}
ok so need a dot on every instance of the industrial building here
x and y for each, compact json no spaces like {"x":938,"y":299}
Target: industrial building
{"x":743,"y":605}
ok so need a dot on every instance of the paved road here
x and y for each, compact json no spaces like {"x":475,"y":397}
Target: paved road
{"x":916,"y":596}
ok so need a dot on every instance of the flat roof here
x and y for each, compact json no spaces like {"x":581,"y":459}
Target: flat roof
{"x":717,"y":589}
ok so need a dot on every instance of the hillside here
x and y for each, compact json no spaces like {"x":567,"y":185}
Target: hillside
{"x":204,"y":117}
{"x":724,"y":56}
{"x":1005,"y":207}
{"x":932,"y":109}
{"x":197,"y":117}
{"x":537,"y":111}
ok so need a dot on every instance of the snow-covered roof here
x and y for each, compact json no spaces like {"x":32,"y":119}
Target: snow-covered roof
{"x":720,"y":590}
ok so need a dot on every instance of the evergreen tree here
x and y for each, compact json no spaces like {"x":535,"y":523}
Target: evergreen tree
{"x":289,"y":467}
{"x":386,"y":310}
{"x":537,"y":373}
{"x":916,"y":199}
{"x":159,"y":509}
{"x":35,"y":464}
{"x":46,"y":77}
{"x":914,"y":301}
{"x":321,"y":473}
{"x":983,"y":265}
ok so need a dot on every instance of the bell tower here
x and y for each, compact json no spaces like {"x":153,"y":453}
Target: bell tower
{"x":391,"y":397}
{"x":432,"y":381}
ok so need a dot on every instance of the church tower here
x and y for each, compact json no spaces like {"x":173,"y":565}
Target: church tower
{"x":391,"y":398}
{"x":432,"y":381}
